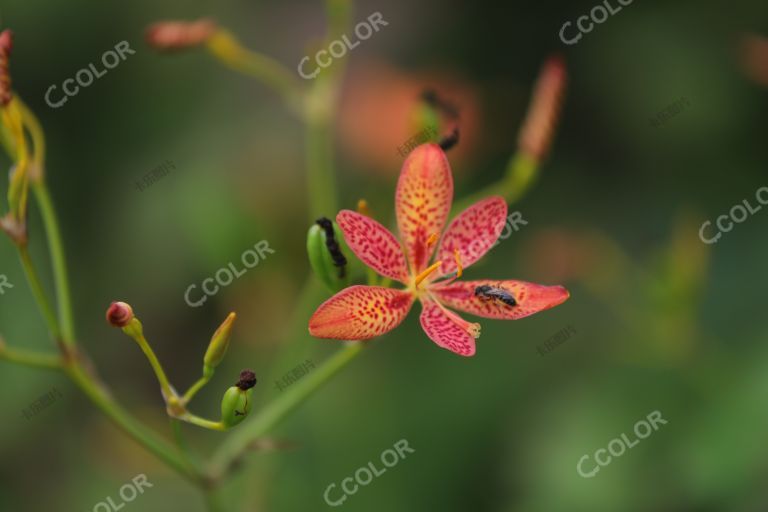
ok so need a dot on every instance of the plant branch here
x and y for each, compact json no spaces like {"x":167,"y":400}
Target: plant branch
{"x":29,"y":358}
{"x":237,"y":443}
{"x":38,"y":292}
{"x":158,"y":446}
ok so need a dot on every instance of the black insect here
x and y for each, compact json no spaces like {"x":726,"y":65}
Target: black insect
{"x":498,"y":295}
{"x":332,"y":245}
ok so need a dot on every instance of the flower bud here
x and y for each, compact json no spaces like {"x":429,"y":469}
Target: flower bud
{"x":178,"y":35}
{"x":218,"y":345}
{"x":236,"y":403}
{"x":540,"y":123}
{"x":6,"y":45}
{"x":119,"y":314}
{"x":328,"y":262}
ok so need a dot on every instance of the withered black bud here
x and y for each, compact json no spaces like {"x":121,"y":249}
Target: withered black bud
{"x":247,"y":380}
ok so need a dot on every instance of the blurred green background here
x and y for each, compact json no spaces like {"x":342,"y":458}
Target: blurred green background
{"x":662,"y":321}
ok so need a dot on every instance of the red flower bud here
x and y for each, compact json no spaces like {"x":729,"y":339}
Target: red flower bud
{"x":544,"y":111}
{"x":119,"y":314}
{"x":6,"y":45}
{"x":177,"y":35}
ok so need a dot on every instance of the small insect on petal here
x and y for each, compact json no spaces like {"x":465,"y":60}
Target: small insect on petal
{"x":503,"y":300}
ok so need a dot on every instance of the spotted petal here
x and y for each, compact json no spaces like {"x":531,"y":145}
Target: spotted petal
{"x":448,"y":329}
{"x":374,"y":244}
{"x":473,"y":232}
{"x":422,"y":201}
{"x":360,"y":313}
{"x":531,"y":298}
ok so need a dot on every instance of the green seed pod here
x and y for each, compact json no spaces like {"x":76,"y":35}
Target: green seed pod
{"x":218,"y":345}
{"x":236,"y":403}
{"x":324,"y":247}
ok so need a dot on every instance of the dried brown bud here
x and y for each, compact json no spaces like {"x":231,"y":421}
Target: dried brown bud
{"x":178,"y":35}
{"x":119,"y":314}
{"x":247,"y":380}
{"x":6,"y":45}
{"x":544,"y":111}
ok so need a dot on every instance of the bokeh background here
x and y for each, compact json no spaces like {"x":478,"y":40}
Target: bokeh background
{"x":662,"y":321}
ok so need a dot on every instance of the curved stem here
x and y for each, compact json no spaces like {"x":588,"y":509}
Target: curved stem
{"x":321,"y":184}
{"x":197,"y":386}
{"x":236,"y":444}
{"x":520,"y":174}
{"x":165,"y":384}
{"x":202,"y":422}
{"x":159,"y":447}
{"x":225,"y":47}
{"x":50,"y":223}
{"x":58,"y":262}
{"x":29,"y":358}
{"x":37,"y":291}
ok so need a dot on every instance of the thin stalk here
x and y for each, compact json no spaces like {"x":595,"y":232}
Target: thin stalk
{"x":237,"y":443}
{"x":38,"y":292}
{"x":58,"y":262}
{"x":321,"y":182}
{"x":226,"y":48}
{"x":158,"y":446}
{"x":202,"y":422}
{"x":521,"y":173}
{"x":50,"y":224}
{"x":197,"y":386}
{"x":29,"y":358}
{"x":165,"y":384}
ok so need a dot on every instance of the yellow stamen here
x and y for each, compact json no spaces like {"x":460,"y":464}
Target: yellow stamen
{"x":427,"y":271}
{"x":362,"y":208}
{"x":432,"y":240}
{"x":459,"y":269}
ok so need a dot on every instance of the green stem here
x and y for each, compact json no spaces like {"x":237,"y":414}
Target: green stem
{"x":29,"y":358}
{"x":237,"y":443}
{"x":197,"y":386}
{"x":165,"y":385}
{"x":159,"y":447}
{"x":521,"y":173}
{"x":58,"y":261}
{"x":202,"y":422}
{"x":225,"y":47}
{"x":38,"y":292}
{"x":321,"y":183}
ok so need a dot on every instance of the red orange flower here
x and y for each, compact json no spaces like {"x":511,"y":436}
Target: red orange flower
{"x":422,"y":203}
